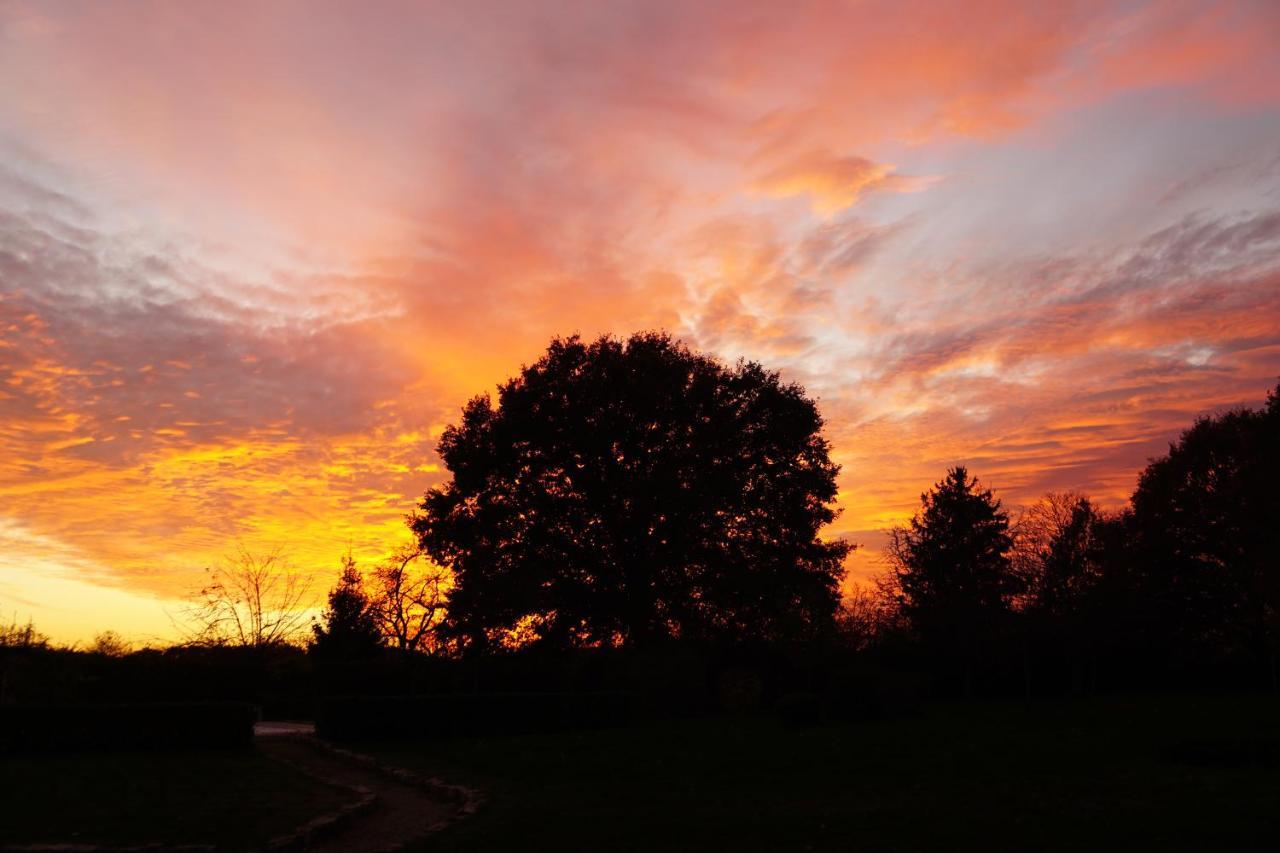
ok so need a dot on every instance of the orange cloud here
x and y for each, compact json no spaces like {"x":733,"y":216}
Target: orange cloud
{"x":835,"y":183}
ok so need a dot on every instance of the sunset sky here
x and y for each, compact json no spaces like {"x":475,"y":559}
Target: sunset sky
{"x":254,"y":257}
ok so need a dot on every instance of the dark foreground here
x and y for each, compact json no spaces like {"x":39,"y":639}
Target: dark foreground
{"x":235,"y":799}
{"x":1141,"y":774}
{"x":1167,"y":773}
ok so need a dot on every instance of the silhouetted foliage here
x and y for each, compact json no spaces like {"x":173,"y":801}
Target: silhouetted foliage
{"x":864,"y":616}
{"x":348,"y":629}
{"x":620,"y":495}
{"x":799,"y":710}
{"x":55,"y":728}
{"x":408,"y":598}
{"x":110,"y":644}
{"x":952,"y":572}
{"x":1206,"y":536}
{"x":16,"y":635}
{"x":1057,"y":553}
{"x":623,"y":493}
{"x":468,"y":715}
{"x":249,"y":600}
{"x":1060,"y":553}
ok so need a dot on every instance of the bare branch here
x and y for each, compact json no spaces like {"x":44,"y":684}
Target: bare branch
{"x":409,"y":595}
{"x":249,"y":600}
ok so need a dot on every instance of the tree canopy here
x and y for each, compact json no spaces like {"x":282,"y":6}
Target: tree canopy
{"x":952,"y":572}
{"x":626,"y":492}
{"x":348,"y":628}
{"x":1058,"y":553}
{"x":1206,"y":534}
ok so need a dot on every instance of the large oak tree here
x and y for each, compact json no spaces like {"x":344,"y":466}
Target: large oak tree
{"x":1206,"y":535}
{"x":627,"y":492}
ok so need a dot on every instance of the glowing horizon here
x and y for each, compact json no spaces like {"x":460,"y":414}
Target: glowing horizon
{"x":254,"y":257}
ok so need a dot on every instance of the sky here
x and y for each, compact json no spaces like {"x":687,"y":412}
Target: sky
{"x":254,"y":257}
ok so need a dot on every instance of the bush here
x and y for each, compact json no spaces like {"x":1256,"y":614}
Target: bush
{"x":739,"y":689}
{"x":858,"y":690}
{"x":799,"y":710}
{"x":50,"y":728}
{"x":467,"y":714}
{"x":1229,"y":752}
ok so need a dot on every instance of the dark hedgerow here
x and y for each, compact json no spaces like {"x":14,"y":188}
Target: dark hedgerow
{"x":63,"y":728}
{"x":800,"y":710}
{"x":467,"y":714}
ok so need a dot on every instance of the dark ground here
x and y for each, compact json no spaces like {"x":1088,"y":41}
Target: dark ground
{"x":236,"y":798}
{"x":399,"y":811}
{"x":1152,"y":773}
{"x":1148,"y":773}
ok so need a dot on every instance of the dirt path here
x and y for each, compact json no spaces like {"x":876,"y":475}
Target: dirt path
{"x":400,"y":812}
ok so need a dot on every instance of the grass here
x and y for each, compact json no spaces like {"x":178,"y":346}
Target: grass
{"x":235,"y":799}
{"x":1090,"y":775}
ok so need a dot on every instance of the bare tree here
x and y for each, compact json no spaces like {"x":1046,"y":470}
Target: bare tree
{"x":1053,"y":540}
{"x":250,"y":600}
{"x":409,"y":594}
{"x":863,"y":615}
{"x":1058,"y":554}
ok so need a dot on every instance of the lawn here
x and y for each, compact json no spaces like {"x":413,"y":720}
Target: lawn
{"x":1071,"y":777}
{"x":236,"y":799}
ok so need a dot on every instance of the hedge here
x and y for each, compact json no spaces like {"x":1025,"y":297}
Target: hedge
{"x":467,"y":714}
{"x":799,"y":710}
{"x":48,"y":728}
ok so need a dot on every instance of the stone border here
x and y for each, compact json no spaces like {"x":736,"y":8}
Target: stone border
{"x":327,"y":823}
{"x":467,"y":800}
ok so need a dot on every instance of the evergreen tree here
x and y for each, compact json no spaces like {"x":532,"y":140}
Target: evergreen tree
{"x":952,"y":572}
{"x":349,"y":627}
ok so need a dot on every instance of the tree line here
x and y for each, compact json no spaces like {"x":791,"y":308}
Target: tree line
{"x":634,"y":494}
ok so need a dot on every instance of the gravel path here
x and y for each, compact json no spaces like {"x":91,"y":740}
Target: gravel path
{"x":400,"y":812}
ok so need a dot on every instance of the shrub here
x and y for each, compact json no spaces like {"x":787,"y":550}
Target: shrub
{"x":49,"y":728}
{"x":466,"y":714}
{"x":799,"y":710}
{"x":1229,"y":752}
{"x":739,"y":689}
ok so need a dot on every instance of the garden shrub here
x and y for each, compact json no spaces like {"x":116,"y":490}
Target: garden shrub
{"x":467,"y":714}
{"x":49,"y":728}
{"x":799,"y":710}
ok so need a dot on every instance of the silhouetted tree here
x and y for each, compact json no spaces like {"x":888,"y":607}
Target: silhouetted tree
{"x":1057,"y":553}
{"x":408,"y":599}
{"x":348,"y":628}
{"x":110,"y":644}
{"x":250,"y":600}
{"x":952,"y":573}
{"x":621,"y":493}
{"x":16,"y":635}
{"x":863,"y":617}
{"x":1206,"y":524}
{"x":1060,"y":557}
